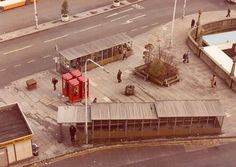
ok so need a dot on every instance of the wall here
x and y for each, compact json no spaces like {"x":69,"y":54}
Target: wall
{"x":210,"y":28}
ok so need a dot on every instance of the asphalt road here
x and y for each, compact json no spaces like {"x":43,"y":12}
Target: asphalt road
{"x":33,"y":53}
{"x":162,"y":156}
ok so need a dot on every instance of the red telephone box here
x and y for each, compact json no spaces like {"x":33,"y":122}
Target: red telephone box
{"x":82,"y":86}
{"x":65,"y":83}
{"x":76,"y":73}
{"x":74,"y":90}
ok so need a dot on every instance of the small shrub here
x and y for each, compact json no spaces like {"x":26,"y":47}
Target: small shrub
{"x":64,"y":8}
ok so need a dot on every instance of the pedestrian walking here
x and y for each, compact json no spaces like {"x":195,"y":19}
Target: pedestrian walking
{"x":192,"y":23}
{"x":94,"y":100}
{"x":72,"y":133}
{"x":54,"y":82}
{"x":124,"y":54}
{"x":228,"y":13}
{"x":186,"y":57}
{"x":213,"y":81}
{"x":119,"y":76}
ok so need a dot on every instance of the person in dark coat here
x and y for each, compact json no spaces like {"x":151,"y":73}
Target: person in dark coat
{"x":228,"y":13}
{"x":192,"y":23}
{"x":54,"y":82}
{"x":119,"y":76}
{"x":72,"y":133}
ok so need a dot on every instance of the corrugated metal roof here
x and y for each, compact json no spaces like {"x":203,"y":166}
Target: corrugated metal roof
{"x":123,"y":111}
{"x":94,"y":46}
{"x":72,"y":114}
{"x":189,"y":108}
{"x":13,"y":124}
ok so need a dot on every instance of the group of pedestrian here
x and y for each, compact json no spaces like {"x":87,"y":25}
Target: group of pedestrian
{"x":193,"y":20}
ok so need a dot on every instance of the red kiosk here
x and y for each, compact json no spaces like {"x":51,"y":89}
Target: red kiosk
{"x":74,"y":90}
{"x":76,"y":73}
{"x":82,"y":87}
{"x":65,"y":83}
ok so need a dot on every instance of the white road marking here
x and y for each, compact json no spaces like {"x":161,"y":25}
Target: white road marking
{"x":153,"y":24}
{"x":135,"y":18}
{"x":135,"y":29}
{"x":126,"y":10}
{"x":114,"y":14}
{"x":53,"y":39}
{"x":89,"y":28}
{"x":144,"y":27}
{"x":137,"y":6}
{"x":119,"y":18}
{"x":17,"y":65}
{"x":6,"y":53}
{"x":31,"y":61}
{"x":4,"y":69}
{"x":44,"y":57}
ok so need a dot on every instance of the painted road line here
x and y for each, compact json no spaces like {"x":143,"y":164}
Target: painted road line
{"x":31,"y":61}
{"x":153,"y":24}
{"x":135,"y":18}
{"x":53,"y":39}
{"x":119,"y":18}
{"x":44,"y":57}
{"x":89,"y":28}
{"x":114,"y":14}
{"x":135,"y":29}
{"x":16,"y":50}
{"x":132,"y":19}
{"x":4,"y":69}
{"x":144,"y":27}
{"x":17,"y":65}
{"x":123,"y":11}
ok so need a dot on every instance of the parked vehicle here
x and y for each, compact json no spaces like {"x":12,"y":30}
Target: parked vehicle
{"x":10,"y":4}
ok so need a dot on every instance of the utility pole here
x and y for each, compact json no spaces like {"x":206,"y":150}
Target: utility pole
{"x":36,"y":15}
{"x":184,"y":9}
{"x":173,"y":24}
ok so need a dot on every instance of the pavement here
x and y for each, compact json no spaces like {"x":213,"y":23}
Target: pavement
{"x":40,"y":105}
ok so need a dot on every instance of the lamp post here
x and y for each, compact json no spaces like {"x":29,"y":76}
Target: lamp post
{"x":86,"y":95}
{"x":173,"y":23}
{"x":36,"y":15}
{"x":198,"y":24}
{"x":184,"y":9}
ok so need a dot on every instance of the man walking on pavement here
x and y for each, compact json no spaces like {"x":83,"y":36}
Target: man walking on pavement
{"x":54,"y":82}
{"x":72,"y":133}
{"x":228,"y":13}
{"x":192,"y":23}
{"x":119,"y":76}
{"x":186,"y":57}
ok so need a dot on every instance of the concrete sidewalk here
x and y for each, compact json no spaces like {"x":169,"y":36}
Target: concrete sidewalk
{"x":75,"y":17}
{"x":40,"y":105}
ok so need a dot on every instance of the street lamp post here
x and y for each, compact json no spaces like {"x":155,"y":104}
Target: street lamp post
{"x":198,"y":25}
{"x":184,"y":8}
{"x":86,"y":95}
{"x":173,"y":23}
{"x":36,"y":15}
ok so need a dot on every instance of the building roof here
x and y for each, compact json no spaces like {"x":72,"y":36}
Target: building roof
{"x":67,"y":76}
{"x":72,"y":114}
{"x":13,"y":124}
{"x":74,"y":82}
{"x":123,"y":111}
{"x":94,"y":46}
{"x":189,"y":108}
